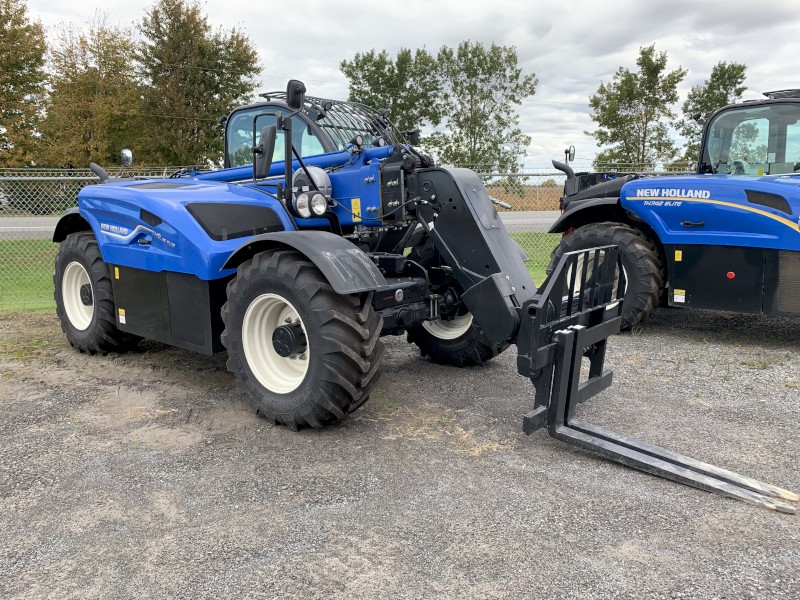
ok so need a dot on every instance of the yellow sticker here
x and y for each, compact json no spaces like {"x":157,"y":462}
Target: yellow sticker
{"x":760,"y":171}
{"x":116,"y":272}
{"x":355,"y":206}
{"x":678,"y":255}
{"x":680,"y":292}
{"x":121,"y":312}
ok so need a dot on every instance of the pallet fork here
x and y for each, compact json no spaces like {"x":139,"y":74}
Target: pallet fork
{"x":578,"y":307}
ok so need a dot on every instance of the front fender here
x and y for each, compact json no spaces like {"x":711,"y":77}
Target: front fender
{"x":71,"y":222}
{"x":591,"y":210}
{"x":346,"y":267}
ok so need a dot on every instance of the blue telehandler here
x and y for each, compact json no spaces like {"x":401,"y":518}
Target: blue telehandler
{"x":725,"y":238}
{"x":325,"y":231}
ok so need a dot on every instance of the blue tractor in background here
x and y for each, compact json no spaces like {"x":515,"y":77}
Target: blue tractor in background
{"x":324,"y":232}
{"x":725,"y":238}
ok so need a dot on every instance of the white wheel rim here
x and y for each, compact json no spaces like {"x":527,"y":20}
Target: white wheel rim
{"x":78,"y":313}
{"x":449,"y":330}
{"x":277,"y":373}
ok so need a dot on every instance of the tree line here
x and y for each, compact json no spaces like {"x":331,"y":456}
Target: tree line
{"x":161,"y":86}
{"x":635,"y":111}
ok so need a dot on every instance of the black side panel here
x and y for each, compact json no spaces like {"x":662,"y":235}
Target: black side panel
{"x":717,"y":277}
{"x":594,"y":185}
{"x":174,"y":308}
{"x":140,"y":299}
{"x":224,"y":221}
{"x":782,"y":283}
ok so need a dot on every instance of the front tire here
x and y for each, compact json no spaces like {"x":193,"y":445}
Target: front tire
{"x":85,"y":298}
{"x":457,"y":342}
{"x":454,"y":340}
{"x":640,"y":261}
{"x":332,"y":359}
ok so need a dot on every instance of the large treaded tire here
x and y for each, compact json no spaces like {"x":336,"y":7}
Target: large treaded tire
{"x":436,"y":340}
{"x":468,"y":350}
{"x":90,"y":328}
{"x":643,"y":267}
{"x":344,"y":350}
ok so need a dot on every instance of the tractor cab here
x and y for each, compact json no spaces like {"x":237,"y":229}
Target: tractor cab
{"x":756,"y":138}
{"x":321,"y":126}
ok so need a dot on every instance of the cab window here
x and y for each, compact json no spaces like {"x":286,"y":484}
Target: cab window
{"x":240,"y":136}
{"x":762,"y":140}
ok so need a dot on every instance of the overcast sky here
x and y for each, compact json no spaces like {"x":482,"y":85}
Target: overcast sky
{"x":571,"y":45}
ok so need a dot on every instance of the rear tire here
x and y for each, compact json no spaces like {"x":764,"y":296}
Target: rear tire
{"x":320,"y":383}
{"x":85,"y":298}
{"x":642,"y":265}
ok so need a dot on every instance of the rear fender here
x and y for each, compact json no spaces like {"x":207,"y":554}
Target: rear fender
{"x":346,"y":267}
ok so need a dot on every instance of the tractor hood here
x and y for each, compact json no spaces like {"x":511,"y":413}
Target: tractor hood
{"x":181,"y":225}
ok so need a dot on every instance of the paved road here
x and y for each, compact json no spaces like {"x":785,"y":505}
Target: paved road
{"x":42,"y":227}
{"x":27,"y":227}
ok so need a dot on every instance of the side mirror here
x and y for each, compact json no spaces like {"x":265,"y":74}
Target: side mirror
{"x":295,"y":94}
{"x":569,"y":154}
{"x":262,"y":153}
{"x":126,"y":157}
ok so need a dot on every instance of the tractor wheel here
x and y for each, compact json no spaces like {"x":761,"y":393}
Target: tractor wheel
{"x":644,"y":274}
{"x":457,"y":342}
{"x":305,"y":355}
{"x":85,"y":298}
{"x":454,"y":340}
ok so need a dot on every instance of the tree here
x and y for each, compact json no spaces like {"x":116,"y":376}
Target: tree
{"x":22,"y":76}
{"x":94,"y":104}
{"x":192,"y":76}
{"x":631,"y":112}
{"x":724,"y":86}
{"x":480,"y":88}
{"x":407,"y":85}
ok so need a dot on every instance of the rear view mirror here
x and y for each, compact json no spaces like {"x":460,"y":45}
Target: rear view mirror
{"x":126,"y":157}
{"x":295,"y":94}
{"x":262,"y":153}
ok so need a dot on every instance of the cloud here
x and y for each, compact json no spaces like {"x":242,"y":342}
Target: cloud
{"x":571,"y":45}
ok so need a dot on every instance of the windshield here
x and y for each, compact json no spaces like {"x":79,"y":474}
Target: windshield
{"x":758,"y":140}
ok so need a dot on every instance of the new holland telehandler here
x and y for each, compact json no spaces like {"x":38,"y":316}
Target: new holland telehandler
{"x":310,"y":245}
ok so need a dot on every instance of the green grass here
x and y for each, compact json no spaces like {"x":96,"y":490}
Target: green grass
{"x":26,"y":274}
{"x":26,"y":268}
{"x":538,"y":246}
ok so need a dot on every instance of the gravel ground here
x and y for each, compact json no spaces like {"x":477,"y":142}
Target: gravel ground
{"x":147,"y":475}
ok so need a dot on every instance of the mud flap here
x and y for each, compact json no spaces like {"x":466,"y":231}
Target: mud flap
{"x":576,"y":310}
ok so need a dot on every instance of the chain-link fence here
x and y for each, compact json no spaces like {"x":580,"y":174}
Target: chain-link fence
{"x":31,"y":202}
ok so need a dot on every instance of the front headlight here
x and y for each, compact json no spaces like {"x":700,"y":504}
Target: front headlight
{"x":319,"y":204}
{"x":301,"y":205}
